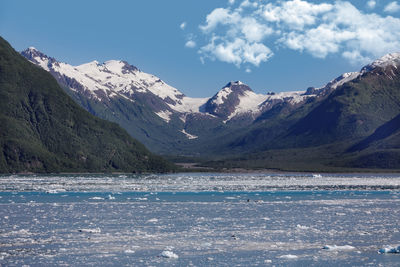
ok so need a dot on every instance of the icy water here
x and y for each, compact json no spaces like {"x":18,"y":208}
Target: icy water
{"x":199,"y":220}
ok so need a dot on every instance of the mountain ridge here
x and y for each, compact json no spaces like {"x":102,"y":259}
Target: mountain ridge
{"x":44,"y":130}
{"x":237,"y":120}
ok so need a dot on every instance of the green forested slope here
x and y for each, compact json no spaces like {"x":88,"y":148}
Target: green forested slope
{"x":43,"y":130}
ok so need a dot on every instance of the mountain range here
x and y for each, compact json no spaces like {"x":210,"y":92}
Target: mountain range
{"x":351,"y":122}
{"x":44,"y":130}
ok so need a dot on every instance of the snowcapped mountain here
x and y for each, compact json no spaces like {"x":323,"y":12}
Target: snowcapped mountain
{"x":104,"y":81}
{"x":165,"y":119}
{"x":237,"y":99}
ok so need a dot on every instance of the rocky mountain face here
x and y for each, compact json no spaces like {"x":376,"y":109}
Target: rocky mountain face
{"x":350,"y":124}
{"x":236,"y":119}
{"x":44,"y":130}
{"x":160,"y":116}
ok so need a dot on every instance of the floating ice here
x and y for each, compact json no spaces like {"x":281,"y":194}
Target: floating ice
{"x":197,"y":182}
{"x":110,"y":197}
{"x":55,"y":191}
{"x":338,"y":248}
{"x":303,"y":227}
{"x":288,"y":256}
{"x":86,"y":230}
{"x":389,"y":249}
{"x":97,"y":198}
{"x":169,"y":254}
{"x":153,"y":220}
{"x":129,"y":251}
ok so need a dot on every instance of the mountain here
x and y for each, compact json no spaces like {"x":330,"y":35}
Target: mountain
{"x":44,"y":130}
{"x":382,"y":135}
{"x":352,"y":123}
{"x":314,"y":129}
{"x":157,"y":114}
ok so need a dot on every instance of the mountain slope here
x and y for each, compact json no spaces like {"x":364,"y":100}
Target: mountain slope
{"x":158,"y":115}
{"x":313,"y":129}
{"x":354,"y":110}
{"x":355,"y":125}
{"x":44,"y":130}
{"x":388,"y":131}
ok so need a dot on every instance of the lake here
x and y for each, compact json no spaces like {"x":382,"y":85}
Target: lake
{"x":199,"y":219}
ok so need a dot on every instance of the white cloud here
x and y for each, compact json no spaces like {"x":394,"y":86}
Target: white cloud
{"x":190,"y":44}
{"x":231,"y":2}
{"x":236,"y":52}
{"x":319,"y":42}
{"x":392,"y":7}
{"x":245,"y":35}
{"x":252,"y":30}
{"x":355,"y":57}
{"x":371,"y":4}
{"x":296,"y":14}
{"x":219,"y":16}
{"x":182,"y":26}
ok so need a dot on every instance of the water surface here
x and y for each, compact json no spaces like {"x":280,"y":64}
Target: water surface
{"x":205,"y":219}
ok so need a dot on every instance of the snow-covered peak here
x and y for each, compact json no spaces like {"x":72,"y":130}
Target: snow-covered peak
{"x":342,"y":79}
{"x":113,"y":78}
{"x":232,"y":83}
{"x":115,"y":66}
{"x":32,"y":52}
{"x":392,"y":59}
{"x":38,"y":57}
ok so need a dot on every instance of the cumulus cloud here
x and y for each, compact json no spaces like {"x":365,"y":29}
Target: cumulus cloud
{"x":392,"y":7}
{"x":182,"y":26}
{"x":237,"y":51}
{"x":295,"y":14}
{"x":371,"y":4}
{"x":241,"y":43}
{"x":190,"y":44}
{"x":247,"y":34}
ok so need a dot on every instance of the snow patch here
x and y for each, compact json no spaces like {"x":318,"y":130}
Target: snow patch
{"x":165,"y":115}
{"x":392,"y":59}
{"x":248,"y":102}
{"x":222,"y":95}
{"x":188,"y":135}
{"x":189,"y":105}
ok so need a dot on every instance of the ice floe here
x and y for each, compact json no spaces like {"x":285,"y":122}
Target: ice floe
{"x":288,"y":256}
{"x":338,"y":248}
{"x":198,"y":182}
{"x":169,"y":254}
{"x":389,"y":249}
{"x":302,"y":227}
{"x":97,"y":198}
{"x":88,"y":230}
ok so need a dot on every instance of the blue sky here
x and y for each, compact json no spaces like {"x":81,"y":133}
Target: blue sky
{"x":199,"y":46}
